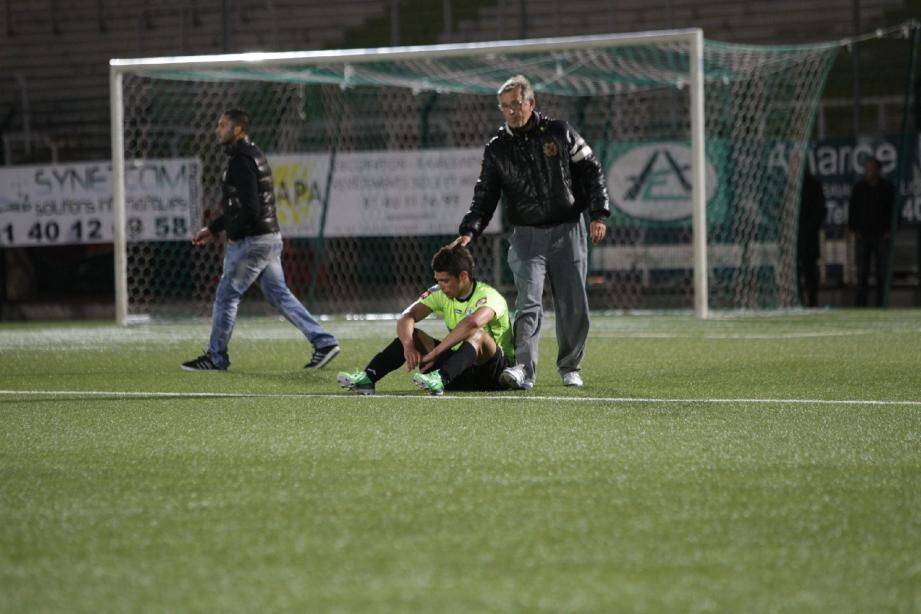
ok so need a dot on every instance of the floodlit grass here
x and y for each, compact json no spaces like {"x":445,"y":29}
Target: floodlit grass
{"x":696,"y":471}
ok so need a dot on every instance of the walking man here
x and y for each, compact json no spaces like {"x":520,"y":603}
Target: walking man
{"x":252,"y":250}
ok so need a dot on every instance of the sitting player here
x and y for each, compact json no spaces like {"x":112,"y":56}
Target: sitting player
{"x":478,"y":345}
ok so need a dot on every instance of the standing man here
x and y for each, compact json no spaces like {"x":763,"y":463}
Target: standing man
{"x":870,"y":220}
{"x":549,"y":178}
{"x":253,"y":249}
{"x":811,"y":216}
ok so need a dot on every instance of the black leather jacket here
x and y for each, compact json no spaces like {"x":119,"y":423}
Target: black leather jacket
{"x":547,"y":173}
{"x":247,"y":193}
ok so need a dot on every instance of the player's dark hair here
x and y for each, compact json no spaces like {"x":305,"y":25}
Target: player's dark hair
{"x":239,"y":117}
{"x":453,"y":261}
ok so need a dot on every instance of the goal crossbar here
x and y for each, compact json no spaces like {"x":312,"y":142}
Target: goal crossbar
{"x":330,"y":56}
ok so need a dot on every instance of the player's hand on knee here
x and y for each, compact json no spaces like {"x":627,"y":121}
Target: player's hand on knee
{"x":427,"y":360}
{"x":412,"y":356}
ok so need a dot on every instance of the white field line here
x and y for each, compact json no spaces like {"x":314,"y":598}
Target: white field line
{"x":733,"y":336}
{"x":466,"y":398}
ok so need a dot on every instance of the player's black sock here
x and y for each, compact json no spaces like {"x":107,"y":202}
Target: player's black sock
{"x":460,"y":361}
{"x":389,"y":359}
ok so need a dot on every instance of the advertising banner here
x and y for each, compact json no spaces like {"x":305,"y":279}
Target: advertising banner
{"x":378,"y":193}
{"x":649,"y":182}
{"x":408,"y":193}
{"x":71,"y":203}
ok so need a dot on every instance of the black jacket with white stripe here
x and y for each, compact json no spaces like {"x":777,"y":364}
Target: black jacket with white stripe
{"x":546,"y":172}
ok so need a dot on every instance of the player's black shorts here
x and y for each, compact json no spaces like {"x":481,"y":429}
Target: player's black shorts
{"x":478,"y":377}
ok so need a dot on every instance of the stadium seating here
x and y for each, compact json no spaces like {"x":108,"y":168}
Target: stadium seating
{"x":785,"y":21}
{"x":53,"y":56}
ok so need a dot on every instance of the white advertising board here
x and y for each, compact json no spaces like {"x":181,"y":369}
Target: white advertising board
{"x":385,"y":193}
{"x":71,"y":203}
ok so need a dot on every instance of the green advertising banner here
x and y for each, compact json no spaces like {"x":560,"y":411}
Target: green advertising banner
{"x":649,"y":182}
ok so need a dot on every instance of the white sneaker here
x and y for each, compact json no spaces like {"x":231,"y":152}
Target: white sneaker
{"x":572,"y":379}
{"x":514,"y":378}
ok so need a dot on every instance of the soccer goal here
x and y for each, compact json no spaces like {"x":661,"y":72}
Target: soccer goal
{"x":375,"y":154}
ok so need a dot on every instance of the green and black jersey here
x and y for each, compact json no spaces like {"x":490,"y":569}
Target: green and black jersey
{"x":454,"y":310}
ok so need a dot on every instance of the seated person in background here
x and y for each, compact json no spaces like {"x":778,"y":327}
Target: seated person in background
{"x":478,"y":345}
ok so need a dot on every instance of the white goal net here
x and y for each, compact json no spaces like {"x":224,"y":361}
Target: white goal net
{"x":375,"y":154}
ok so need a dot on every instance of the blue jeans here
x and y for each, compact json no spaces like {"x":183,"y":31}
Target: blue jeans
{"x":245,"y":261}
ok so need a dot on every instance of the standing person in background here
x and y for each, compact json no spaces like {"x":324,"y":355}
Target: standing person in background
{"x":870,"y":220}
{"x":811,"y":216}
{"x":549,"y":178}
{"x":253,"y":249}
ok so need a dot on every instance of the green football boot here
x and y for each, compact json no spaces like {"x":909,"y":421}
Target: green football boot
{"x":430,"y":382}
{"x":358,"y":382}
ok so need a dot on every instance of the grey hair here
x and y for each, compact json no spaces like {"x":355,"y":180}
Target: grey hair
{"x":518,"y":81}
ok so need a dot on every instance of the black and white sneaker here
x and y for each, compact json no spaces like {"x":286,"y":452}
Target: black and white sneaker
{"x":202,"y":363}
{"x":322,"y":356}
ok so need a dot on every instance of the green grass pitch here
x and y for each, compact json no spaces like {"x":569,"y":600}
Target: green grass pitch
{"x":741,"y":464}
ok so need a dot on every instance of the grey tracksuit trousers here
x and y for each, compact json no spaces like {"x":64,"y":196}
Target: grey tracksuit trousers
{"x":561,"y":254}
